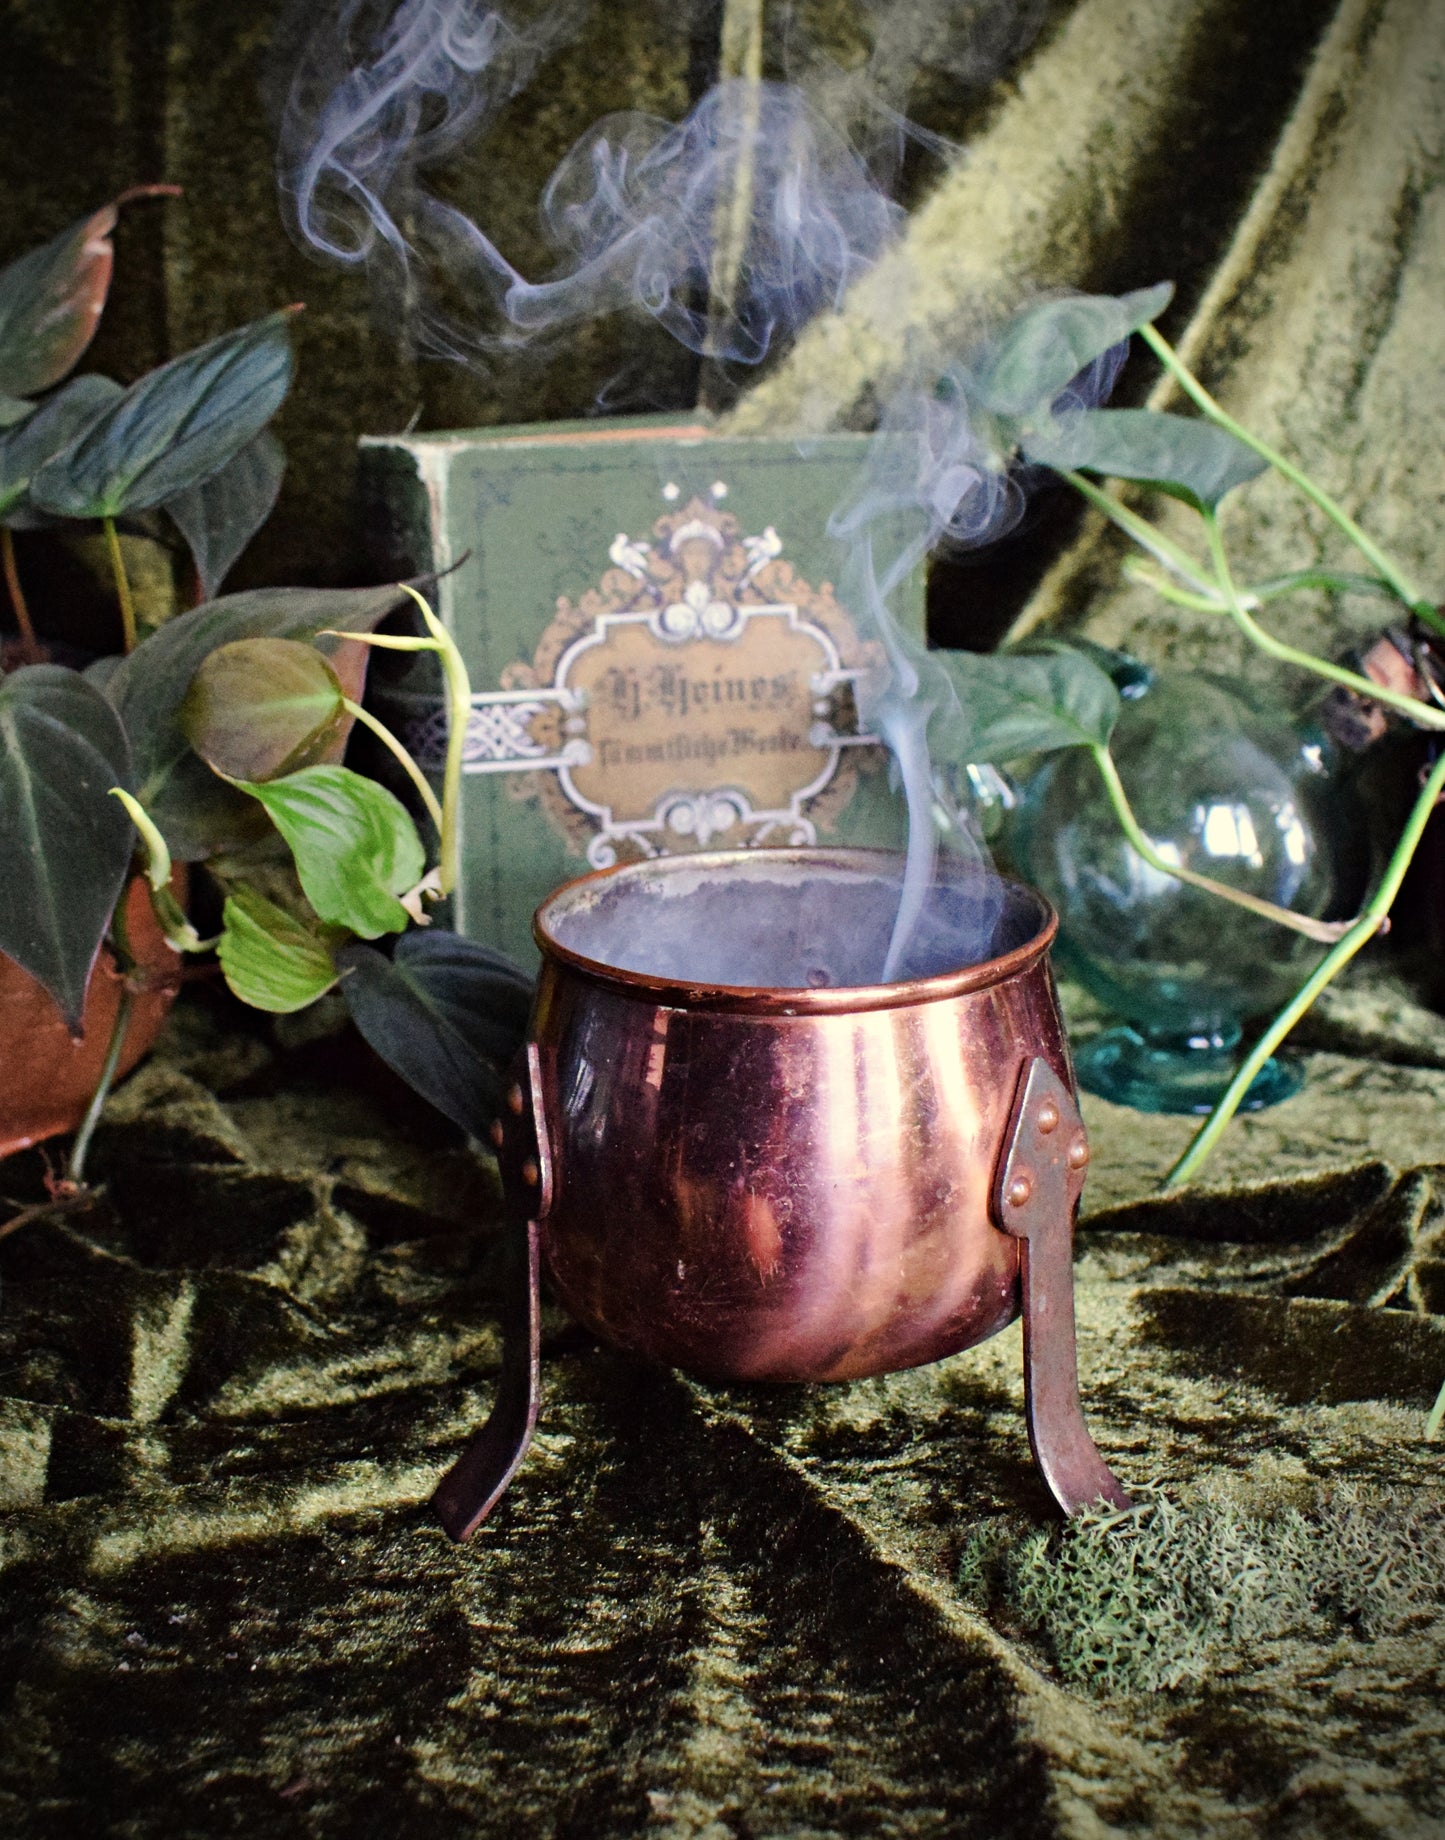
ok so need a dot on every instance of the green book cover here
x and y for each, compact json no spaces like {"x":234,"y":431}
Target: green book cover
{"x":659,"y":658}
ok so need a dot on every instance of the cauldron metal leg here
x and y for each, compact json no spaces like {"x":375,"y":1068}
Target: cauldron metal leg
{"x":475,"y":1483}
{"x":1036,"y":1195}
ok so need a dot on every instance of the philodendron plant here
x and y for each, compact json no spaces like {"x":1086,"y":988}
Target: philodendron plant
{"x":1054,"y":695}
{"x":260,"y":714}
{"x":186,"y":445}
{"x":219,"y":733}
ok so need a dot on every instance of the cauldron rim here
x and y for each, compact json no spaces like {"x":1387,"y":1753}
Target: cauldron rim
{"x":787,"y":1000}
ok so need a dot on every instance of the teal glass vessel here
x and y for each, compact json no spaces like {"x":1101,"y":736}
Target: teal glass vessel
{"x":1223,"y":783}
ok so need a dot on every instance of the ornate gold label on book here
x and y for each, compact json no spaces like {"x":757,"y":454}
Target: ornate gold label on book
{"x":700,"y":694}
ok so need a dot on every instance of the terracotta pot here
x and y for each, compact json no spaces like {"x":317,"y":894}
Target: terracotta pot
{"x":46,"y":1078}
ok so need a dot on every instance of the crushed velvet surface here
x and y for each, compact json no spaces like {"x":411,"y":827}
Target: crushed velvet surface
{"x":226,"y":1392}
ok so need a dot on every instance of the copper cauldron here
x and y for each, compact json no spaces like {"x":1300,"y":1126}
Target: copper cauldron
{"x":741,"y":1157}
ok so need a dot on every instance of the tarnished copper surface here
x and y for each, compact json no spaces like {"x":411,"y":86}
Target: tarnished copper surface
{"x":796,"y":1184}
{"x":786,"y":1185}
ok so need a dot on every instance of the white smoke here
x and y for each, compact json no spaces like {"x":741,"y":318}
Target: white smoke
{"x":731,"y":228}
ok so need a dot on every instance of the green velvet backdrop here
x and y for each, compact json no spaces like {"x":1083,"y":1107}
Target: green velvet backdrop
{"x":225,"y":1394}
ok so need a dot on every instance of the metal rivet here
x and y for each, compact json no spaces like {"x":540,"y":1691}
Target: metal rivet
{"x":1020,"y":1189}
{"x":1078,"y":1153}
{"x":498,"y":1132}
{"x":1048,"y":1119}
{"x":514,"y":1099}
{"x":531,"y":1175}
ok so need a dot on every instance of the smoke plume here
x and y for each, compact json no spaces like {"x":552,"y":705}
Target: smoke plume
{"x":731,"y":228}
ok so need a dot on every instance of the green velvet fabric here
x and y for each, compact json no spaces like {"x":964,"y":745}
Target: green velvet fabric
{"x":836,"y":1610}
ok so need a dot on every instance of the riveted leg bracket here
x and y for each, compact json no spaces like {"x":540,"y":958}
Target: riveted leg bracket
{"x":1036,"y":1195}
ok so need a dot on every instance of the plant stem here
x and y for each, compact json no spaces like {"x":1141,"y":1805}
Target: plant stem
{"x":1164,"y":549}
{"x":17,"y":595}
{"x":122,"y":584}
{"x":389,"y":741}
{"x":1333,"y":581}
{"x":1424,"y":715}
{"x":459,"y":715}
{"x":1326,"y":932}
{"x":1324,"y":973}
{"x":75,"y":1168}
{"x":1140,"y":572}
{"x":1261,"y":593}
{"x":1338,"y":516}
{"x":1436,"y":1418}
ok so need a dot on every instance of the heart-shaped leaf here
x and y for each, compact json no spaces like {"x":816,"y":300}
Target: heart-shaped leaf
{"x":1044,"y":348}
{"x":445,"y":1013}
{"x":198,"y":813}
{"x":259,"y":709}
{"x":218,"y":519}
{"x":59,"y":420}
{"x":174,"y":429}
{"x":269,"y":958}
{"x":355,"y":846}
{"x":1013,"y":703}
{"x":1190,"y":460}
{"x":65,"y":845}
{"x":50,"y":303}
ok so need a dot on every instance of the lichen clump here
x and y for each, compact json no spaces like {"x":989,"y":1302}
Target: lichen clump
{"x":1161,"y":1596}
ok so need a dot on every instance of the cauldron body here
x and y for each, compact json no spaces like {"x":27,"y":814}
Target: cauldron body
{"x":765,"y":1184}
{"x":807,"y":1178}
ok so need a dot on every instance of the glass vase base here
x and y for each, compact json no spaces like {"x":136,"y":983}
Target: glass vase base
{"x":1122,"y":1066}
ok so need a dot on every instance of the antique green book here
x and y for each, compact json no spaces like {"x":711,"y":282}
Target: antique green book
{"x":659,"y":659}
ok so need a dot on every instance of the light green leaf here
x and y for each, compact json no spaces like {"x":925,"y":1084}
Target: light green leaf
{"x":174,"y":429}
{"x":1190,"y":460}
{"x":270,"y":960}
{"x":356,"y":849}
{"x":1046,"y":346}
{"x":259,"y":709}
{"x":1013,"y":703}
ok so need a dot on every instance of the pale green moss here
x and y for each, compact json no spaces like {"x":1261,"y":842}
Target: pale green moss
{"x":1167,"y":1595}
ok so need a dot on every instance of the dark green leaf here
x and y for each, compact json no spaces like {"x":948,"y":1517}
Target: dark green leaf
{"x":65,"y":844}
{"x":1188,"y":459}
{"x":1013,"y":703}
{"x":447,"y":1014}
{"x":60,"y":419}
{"x":355,"y":846}
{"x":50,"y":303}
{"x":270,"y":960}
{"x":261,"y":708}
{"x":1046,"y":346}
{"x":218,"y":519}
{"x":174,"y":429}
{"x":197,"y":812}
